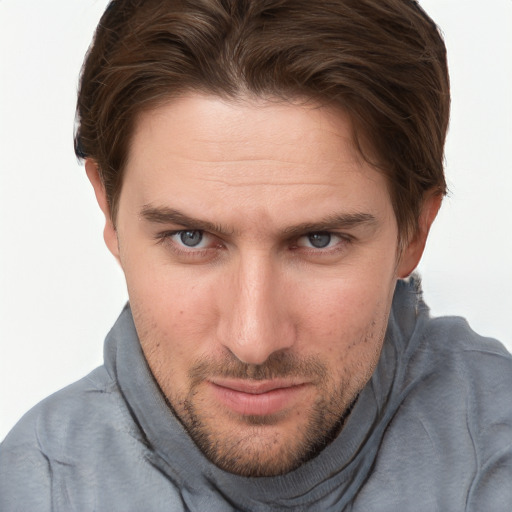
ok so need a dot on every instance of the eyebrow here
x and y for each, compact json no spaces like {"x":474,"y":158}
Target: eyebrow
{"x":334,"y":222}
{"x":165,"y":215}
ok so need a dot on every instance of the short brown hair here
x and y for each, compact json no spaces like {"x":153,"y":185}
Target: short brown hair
{"x":381,"y":61}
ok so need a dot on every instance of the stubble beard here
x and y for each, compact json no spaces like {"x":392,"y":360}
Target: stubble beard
{"x":255,"y":446}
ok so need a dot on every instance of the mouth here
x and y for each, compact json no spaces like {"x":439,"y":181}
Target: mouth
{"x":257,"y":398}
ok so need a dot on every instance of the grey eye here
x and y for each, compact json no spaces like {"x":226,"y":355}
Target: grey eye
{"x":191,"y":238}
{"x":319,"y":240}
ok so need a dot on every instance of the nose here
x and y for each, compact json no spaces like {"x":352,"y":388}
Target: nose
{"x":255,"y":319}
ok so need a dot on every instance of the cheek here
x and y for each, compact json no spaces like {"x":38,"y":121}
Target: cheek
{"x":173,"y":324}
{"x":345,"y":323}
{"x":346,"y":304}
{"x":172,"y":313}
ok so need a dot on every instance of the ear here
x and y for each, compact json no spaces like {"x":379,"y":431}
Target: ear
{"x":412,"y":253}
{"x":109,"y":232}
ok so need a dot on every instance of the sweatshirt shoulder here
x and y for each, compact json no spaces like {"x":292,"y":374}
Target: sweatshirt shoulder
{"x":449,"y":441}
{"x":67,"y":417}
{"x":453,"y":339}
{"x":36,"y":441}
{"x":481,"y":370}
{"x":462,"y":360}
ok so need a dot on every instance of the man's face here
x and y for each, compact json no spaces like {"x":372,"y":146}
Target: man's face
{"x":260,"y":255}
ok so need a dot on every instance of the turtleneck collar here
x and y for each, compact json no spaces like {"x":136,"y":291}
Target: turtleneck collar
{"x":330,"y":479}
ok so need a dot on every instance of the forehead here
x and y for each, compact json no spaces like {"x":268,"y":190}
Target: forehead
{"x":213,"y":130}
{"x":199,"y":150}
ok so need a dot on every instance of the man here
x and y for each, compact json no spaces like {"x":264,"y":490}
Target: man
{"x":269,"y":171}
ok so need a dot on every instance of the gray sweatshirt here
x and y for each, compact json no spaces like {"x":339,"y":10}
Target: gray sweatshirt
{"x":431,"y":431}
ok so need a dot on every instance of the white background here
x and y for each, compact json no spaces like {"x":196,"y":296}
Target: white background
{"x":60,"y":291}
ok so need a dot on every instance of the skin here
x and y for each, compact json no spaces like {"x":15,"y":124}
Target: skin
{"x":262,"y":335}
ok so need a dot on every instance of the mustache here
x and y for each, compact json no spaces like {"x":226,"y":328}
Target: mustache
{"x":278,"y":365}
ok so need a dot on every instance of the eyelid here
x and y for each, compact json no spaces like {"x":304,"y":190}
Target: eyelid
{"x":342,"y":237}
{"x":167,"y":234}
{"x":166,"y":238}
{"x":342,"y":241}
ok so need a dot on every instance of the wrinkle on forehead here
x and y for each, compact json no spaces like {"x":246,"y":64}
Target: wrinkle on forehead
{"x":203,"y":151}
{"x":251,"y":170}
{"x":220,"y":128}
{"x":249,"y":183}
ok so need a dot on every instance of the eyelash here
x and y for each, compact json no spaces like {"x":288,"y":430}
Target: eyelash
{"x":166,"y":238}
{"x":342,"y":240}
